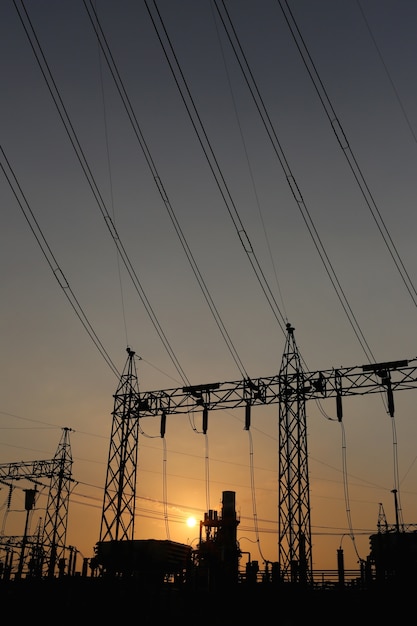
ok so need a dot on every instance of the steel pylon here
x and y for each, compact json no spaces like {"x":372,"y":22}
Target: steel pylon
{"x":48,"y":548}
{"x":294,"y":526}
{"x":56,"y":516}
{"x":118,"y":516}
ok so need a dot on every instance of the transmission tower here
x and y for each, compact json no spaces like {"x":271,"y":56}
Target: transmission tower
{"x":294,"y":528}
{"x":118,"y":517}
{"x":51,"y":547}
{"x":56,"y":517}
{"x":291,"y":388}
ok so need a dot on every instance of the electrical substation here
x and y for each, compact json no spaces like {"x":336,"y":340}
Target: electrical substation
{"x":216,"y":143}
{"x":217,"y":561}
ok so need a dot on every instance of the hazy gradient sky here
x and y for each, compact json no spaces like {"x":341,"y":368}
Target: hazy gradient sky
{"x":52,"y":373}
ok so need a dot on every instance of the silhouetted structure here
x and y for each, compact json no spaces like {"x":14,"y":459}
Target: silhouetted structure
{"x":291,"y":388}
{"x":150,"y":561}
{"x":118,"y":516}
{"x":294,"y":527}
{"x":47,"y":549}
{"x":216,"y":559}
{"x":393,"y":556}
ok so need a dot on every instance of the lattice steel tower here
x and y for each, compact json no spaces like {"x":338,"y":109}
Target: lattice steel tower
{"x":294,"y":527}
{"x":291,"y":389}
{"x":56,"y":516}
{"x":50,"y":545}
{"x":118,"y":517}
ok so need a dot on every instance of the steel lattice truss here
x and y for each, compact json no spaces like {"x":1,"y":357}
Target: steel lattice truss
{"x":348,"y":381}
{"x":59,"y":471}
{"x":118,"y":515}
{"x":294,"y":526}
{"x":56,"y":516}
{"x":291,"y":389}
{"x":31,"y":470}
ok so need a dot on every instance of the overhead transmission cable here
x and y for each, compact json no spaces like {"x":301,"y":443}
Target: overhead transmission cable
{"x":165,"y":488}
{"x":207,"y":471}
{"x":63,"y":114}
{"x":294,"y":188}
{"x":407,"y":120}
{"x":259,"y":103}
{"x":394,"y":434}
{"x":257,"y":200}
{"x":346,"y":490}
{"x":346,"y":149}
{"x":198,"y":126}
{"x":51,"y":260}
{"x":207,"y":149}
{"x":243,"y":63}
{"x":395,"y":90}
{"x":396,"y":468}
{"x":255,"y":191}
{"x":158,"y":181}
{"x":111,"y":188}
{"x":253,"y":492}
{"x":354,"y":166}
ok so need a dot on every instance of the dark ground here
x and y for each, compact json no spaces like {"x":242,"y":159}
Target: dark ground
{"x":89,"y":601}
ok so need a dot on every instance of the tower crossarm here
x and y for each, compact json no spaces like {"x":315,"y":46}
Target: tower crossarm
{"x":344,"y":381}
{"x":27,"y":469}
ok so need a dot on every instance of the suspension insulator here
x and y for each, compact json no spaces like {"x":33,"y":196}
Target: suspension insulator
{"x":9,"y":497}
{"x":247,"y":416}
{"x":163,"y":424}
{"x":390,"y":398}
{"x":30,"y":495}
{"x":205,"y":419}
{"x":339,"y":409}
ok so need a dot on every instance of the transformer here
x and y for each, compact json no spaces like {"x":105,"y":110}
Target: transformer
{"x":149,"y":560}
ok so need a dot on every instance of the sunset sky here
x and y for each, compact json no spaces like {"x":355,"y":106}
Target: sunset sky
{"x":151,"y":204}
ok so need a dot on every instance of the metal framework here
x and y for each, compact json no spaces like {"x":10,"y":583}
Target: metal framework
{"x":56,"y":517}
{"x":118,"y":517}
{"x":294,"y":527}
{"x":291,"y":388}
{"x":59,"y":471}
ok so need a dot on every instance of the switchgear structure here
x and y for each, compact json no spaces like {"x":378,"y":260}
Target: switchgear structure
{"x":291,"y":388}
{"x":50,"y":542}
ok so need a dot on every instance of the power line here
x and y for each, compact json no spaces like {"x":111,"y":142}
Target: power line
{"x":395,"y":90}
{"x":212,"y":161}
{"x":250,"y":167}
{"x":346,"y":149}
{"x":63,"y":114}
{"x":293,"y":185}
{"x":51,"y":260}
{"x":158,"y":181}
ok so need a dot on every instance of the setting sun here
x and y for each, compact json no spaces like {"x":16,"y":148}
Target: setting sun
{"x":191,"y":522}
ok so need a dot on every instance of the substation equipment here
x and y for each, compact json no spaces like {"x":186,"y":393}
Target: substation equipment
{"x":41,"y":554}
{"x":291,"y":388}
{"x":216,"y":559}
